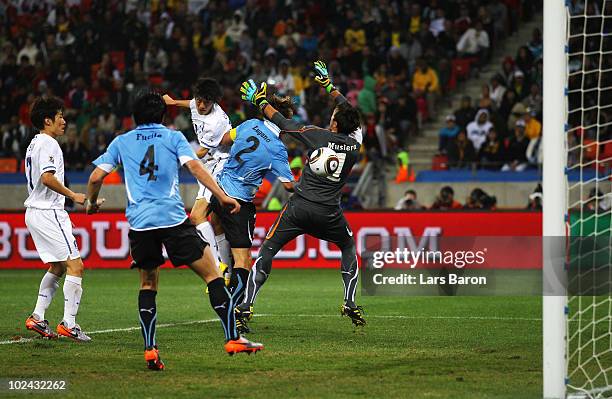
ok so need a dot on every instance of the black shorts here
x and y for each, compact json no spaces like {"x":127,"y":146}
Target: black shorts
{"x":238,"y":227}
{"x":300,"y":216}
{"x":183,"y":245}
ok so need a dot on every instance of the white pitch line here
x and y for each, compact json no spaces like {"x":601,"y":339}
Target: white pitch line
{"x":187,"y":323}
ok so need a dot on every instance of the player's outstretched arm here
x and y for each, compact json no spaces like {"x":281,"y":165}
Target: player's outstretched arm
{"x":50,"y":181}
{"x":179,"y":103}
{"x":93,"y":190}
{"x":257,"y":96}
{"x":322,"y":78}
{"x":199,"y":172}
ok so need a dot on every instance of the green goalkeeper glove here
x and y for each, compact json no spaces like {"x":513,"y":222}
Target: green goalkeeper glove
{"x":255,"y":95}
{"x":322,"y":76}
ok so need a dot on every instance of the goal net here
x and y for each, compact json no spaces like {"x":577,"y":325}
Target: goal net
{"x":588,"y":141}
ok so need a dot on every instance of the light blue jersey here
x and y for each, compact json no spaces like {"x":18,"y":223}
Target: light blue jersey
{"x":151,"y":156}
{"x":257,"y":150}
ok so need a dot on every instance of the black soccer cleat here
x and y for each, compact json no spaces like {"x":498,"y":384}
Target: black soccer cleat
{"x":355,"y":314}
{"x":243,"y":313}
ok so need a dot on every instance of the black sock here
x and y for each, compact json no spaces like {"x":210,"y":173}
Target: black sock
{"x":221,"y":301}
{"x":148,"y":316}
{"x":238,"y":282}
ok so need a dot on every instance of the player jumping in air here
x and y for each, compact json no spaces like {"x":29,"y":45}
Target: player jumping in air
{"x":48,"y":222}
{"x":150,"y":156}
{"x":210,"y":124}
{"x":315,"y":207}
{"x":256,"y":150}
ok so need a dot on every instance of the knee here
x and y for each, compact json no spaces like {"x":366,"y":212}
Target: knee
{"x":148,"y":279}
{"x":75,"y":267}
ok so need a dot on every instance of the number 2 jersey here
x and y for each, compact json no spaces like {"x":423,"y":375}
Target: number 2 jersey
{"x":43,"y":155}
{"x":151,"y":156}
{"x":257,"y":150}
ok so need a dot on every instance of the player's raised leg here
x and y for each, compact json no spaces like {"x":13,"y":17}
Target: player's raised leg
{"x":200,"y":221}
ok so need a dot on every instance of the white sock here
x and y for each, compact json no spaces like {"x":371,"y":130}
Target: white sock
{"x":72,"y":299}
{"x":208,"y":234}
{"x":225,"y":251}
{"x":48,"y":286}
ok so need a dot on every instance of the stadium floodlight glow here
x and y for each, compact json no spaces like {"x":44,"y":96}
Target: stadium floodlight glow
{"x":577,"y":328}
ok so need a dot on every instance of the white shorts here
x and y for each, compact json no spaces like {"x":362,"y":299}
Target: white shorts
{"x":51,"y":230}
{"x":214,"y":166}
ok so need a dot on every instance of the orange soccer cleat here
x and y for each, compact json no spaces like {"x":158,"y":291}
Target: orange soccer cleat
{"x":40,"y":326}
{"x":242,"y":344}
{"x":153,"y":360}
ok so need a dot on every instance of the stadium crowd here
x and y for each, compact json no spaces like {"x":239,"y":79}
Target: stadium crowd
{"x":392,"y":59}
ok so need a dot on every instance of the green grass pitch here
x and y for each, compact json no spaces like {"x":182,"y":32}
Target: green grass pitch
{"x":412,"y":347}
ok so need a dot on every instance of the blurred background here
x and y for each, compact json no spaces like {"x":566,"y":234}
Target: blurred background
{"x":450,"y":90}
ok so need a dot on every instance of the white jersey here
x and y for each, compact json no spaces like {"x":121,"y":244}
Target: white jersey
{"x":43,"y":155}
{"x":210,"y":130}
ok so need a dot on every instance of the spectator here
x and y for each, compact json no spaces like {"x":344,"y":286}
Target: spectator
{"x":524,"y":60}
{"x":474,"y":43}
{"x":477,"y":130}
{"x":237,"y":27}
{"x":507,"y":72}
{"x":367,"y":96}
{"x":518,"y":112}
{"x":100,"y":146}
{"x":283,"y":81}
{"x":75,"y":154}
{"x":496,"y":91}
{"x":479,"y":199}
{"x":517,"y":149}
{"x":519,"y":85}
{"x":355,"y":36}
{"x":409,"y":202}
{"x":446,"y":200}
{"x":28,"y":52}
{"x":491,"y":154}
{"x":505,"y":109}
{"x":535,"y":152}
{"x":597,"y":201}
{"x":155,"y":60}
{"x":447,"y":133}
{"x":425,"y":82}
{"x":535,"y":199}
{"x":499,"y":14}
{"x":534,"y":100}
{"x":536,"y":45}
{"x":465,"y":114}
{"x":533,"y":128}
{"x":461,"y":153}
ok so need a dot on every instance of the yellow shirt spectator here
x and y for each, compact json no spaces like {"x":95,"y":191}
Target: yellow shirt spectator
{"x":355,"y":37}
{"x":426,"y":81}
{"x":533,"y":128}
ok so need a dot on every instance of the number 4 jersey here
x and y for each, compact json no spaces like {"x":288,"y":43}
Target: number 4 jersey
{"x":151,"y":156}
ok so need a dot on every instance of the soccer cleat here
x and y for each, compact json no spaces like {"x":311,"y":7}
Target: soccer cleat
{"x":153,"y":360}
{"x":242,"y":344}
{"x":355,"y":313}
{"x":40,"y":326}
{"x":75,"y":333}
{"x":243,"y":314}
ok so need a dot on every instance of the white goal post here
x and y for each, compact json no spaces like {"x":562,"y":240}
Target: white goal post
{"x":554,"y":197}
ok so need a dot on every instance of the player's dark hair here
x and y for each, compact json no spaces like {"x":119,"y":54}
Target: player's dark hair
{"x":207,"y":89}
{"x":149,"y":107}
{"x":43,"y":108}
{"x":284,"y":105}
{"x":347,"y":117}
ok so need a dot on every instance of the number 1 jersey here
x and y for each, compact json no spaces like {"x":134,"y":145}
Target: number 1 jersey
{"x":151,"y":156}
